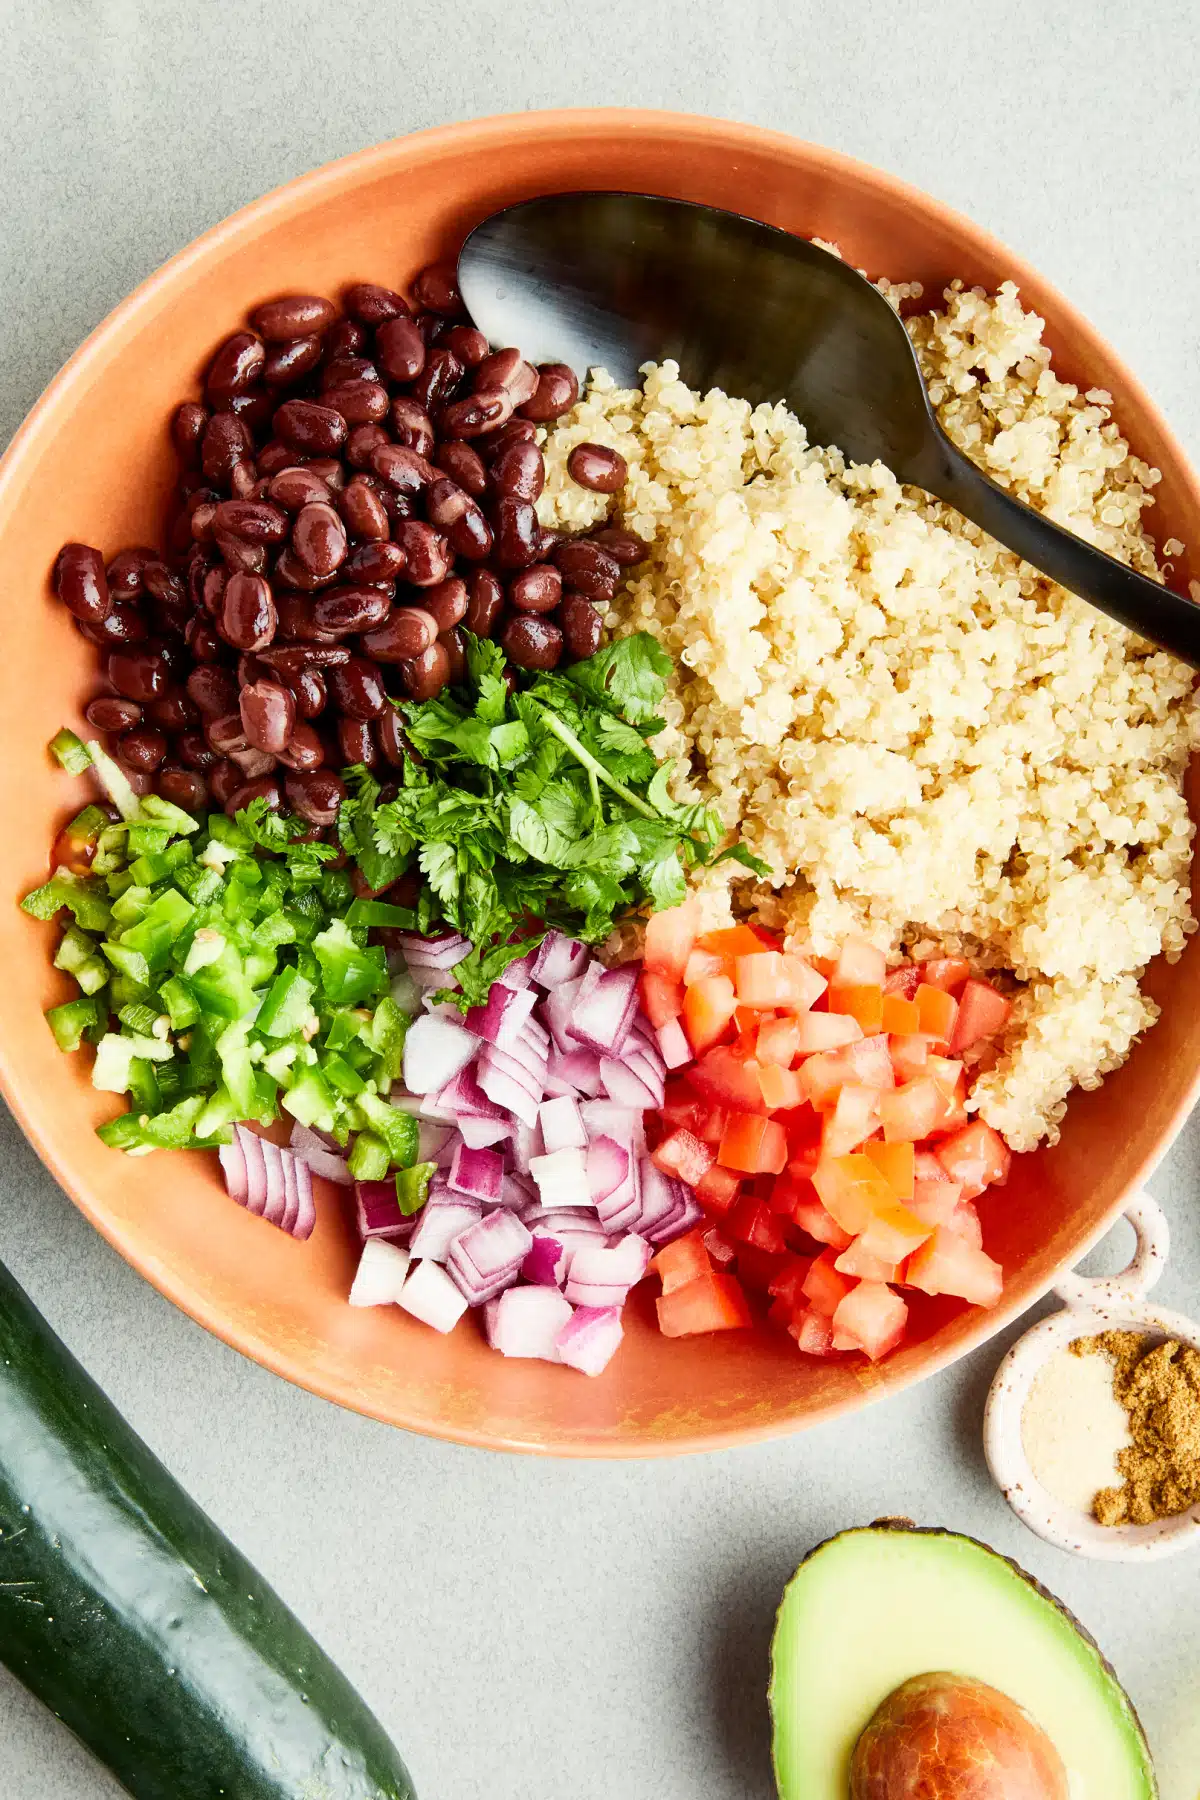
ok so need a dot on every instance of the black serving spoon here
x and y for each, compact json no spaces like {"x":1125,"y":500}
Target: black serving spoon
{"x":617,"y":280}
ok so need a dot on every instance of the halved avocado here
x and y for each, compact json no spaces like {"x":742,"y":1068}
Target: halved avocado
{"x":871,"y":1608}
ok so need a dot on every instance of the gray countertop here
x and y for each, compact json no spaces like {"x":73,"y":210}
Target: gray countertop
{"x":532,"y":1630}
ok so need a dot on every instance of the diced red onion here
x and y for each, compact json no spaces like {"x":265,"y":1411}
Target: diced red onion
{"x":487,"y":1256}
{"x":527,"y":1321}
{"x":434,"y":1051}
{"x":480,"y":1120}
{"x":291,"y":1185}
{"x":562,"y":1127}
{"x":638,"y":1063}
{"x":643,"y":1039}
{"x":256,"y":1170}
{"x":559,"y":959}
{"x":441,"y":1221}
{"x":233,"y":1169}
{"x":673,"y":1046}
{"x":519,"y":974}
{"x":603,"y":1009}
{"x":477,"y":1174}
{"x":510,"y":1095}
{"x":545,"y":1264}
{"x":378,"y":1211}
{"x":430,"y":1295}
{"x":275,"y":1204}
{"x":536,"y":1032}
{"x":556,"y":1012}
{"x":439,"y":952}
{"x":306,"y":1214}
{"x":564,"y":1222}
{"x":661,"y":1198}
{"x":313,"y":1149}
{"x":379,"y":1279}
{"x":526,"y":1144}
{"x":405,"y":991}
{"x":691,"y":1216}
{"x":432,"y":1138}
{"x":626,"y":1086}
{"x":517,"y":1192}
{"x":523,"y":1063}
{"x":561,"y":1178}
{"x":608,"y":1118}
{"x":607,"y":1165}
{"x":589,"y":1340}
{"x":501,"y":1019}
{"x":599,"y":1274}
{"x":573,"y":1072}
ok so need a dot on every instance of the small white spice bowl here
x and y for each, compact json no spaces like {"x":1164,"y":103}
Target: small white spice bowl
{"x":1090,"y":1306}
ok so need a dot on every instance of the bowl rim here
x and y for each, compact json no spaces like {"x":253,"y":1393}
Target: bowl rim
{"x":45,"y":417}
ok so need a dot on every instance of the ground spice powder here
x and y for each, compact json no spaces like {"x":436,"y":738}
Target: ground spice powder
{"x":1158,"y":1384}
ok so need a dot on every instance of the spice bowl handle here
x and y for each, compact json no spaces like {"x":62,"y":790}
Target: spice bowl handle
{"x":1145,"y":1266}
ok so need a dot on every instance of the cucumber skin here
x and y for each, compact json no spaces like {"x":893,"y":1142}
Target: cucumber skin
{"x":139,"y":1624}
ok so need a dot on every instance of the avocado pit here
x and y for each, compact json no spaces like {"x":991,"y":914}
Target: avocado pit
{"x":947,"y":1737}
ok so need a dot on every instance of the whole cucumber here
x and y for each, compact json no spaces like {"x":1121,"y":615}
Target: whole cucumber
{"x":138,"y":1623}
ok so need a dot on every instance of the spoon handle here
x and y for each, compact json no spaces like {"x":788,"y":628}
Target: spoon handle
{"x":1167,"y":619}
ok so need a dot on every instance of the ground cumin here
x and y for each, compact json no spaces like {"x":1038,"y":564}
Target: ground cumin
{"x":1158,"y":1384}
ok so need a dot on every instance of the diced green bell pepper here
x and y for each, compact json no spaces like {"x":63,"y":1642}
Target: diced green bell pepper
{"x":398,"y":1130}
{"x":349,"y":973}
{"x":309,"y":1100}
{"x":368,"y":1159}
{"x":287,"y":1006}
{"x":69,"y":1022}
{"x":412,"y":1186}
{"x":70,"y":751}
{"x":180,"y":1002}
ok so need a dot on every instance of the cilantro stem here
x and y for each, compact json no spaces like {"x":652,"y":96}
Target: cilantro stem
{"x":596,"y":769}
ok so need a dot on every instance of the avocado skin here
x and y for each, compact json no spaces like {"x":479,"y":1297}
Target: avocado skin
{"x":138,"y":1623}
{"x":903,"y":1525}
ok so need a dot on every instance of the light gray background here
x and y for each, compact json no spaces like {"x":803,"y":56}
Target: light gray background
{"x":531,"y":1630}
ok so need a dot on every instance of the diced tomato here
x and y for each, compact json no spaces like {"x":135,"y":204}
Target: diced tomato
{"x":859,"y":964}
{"x":701,"y":966}
{"x":899,"y":1017}
{"x":712,"y":1123}
{"x":788,"y":1281}
{"x":713,"y":1302}
{"x":948,"y":1264}
{"x":74,"y":854}
{"x":893,"y":1232}
{"x":669,"y":939}
{"x":719,"y":1248}
{"x":950,"y":1080}
{"x":863,"y":1265}
{"x":852,"y":1190}
{"x":780,"y":1087}
{"x":804,"y":1157}
{"x":823,"y":1286}
{"x":909,"y":1055}
{"x":897,"y":1164}
{"x":749,"y":1018}
{"x":762,"y":980}
{"x":870,"y":1061}
{"x":662,"y":999}
{"x":822,"y":1077}
{"x":934,"y":1202}
{"x":752,"y":1222}
{"x":908,"y":1114}
{"x":813,"y":1332}
{"x":729,"y":1080}
{"x":680,"y":1110}
{"x":756,"y":1267}
{"x":817,"y":1032}
{"x":864,"y":1003}
{"x":945,"y":972}
{"x":708,"y":1006}
{"x":854,"y":1117}
{"x":683,"y":1261}
{"x":937,"y":1012}
{"x":976,"y":1156}
{"x":684,"y":1155}
{"x":982,"y":1013}
{"x":718,"y":1188}
{"x":811,"y":1216}
{"x":753,"y":1144}
{"x":808,"y":984}
{"x":737,"y":940}
{"x":871,"y":1318}
{"x":965,"y":1222}
{"x":779,"y":1042}
{"x":903,"y":981}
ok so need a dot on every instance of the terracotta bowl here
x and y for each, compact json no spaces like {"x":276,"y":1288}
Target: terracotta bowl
{"x":93,"y":462}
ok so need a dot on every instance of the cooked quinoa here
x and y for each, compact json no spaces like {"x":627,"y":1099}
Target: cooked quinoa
{"x":927,"y":741}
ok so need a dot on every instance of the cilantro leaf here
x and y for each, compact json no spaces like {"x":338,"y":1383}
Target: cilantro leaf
{"x":630,"y":677}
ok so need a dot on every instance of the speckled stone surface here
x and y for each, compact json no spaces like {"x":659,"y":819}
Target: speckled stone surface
{"x":532,"y":1631}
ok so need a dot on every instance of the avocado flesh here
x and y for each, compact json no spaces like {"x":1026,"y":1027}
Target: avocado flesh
{"x":870,"y":1608}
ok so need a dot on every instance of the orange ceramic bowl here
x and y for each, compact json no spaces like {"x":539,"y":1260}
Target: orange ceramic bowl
{"x":93,"y":463}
